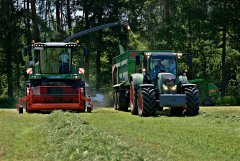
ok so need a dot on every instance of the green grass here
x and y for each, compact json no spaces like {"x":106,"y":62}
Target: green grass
{"x":106,"y":134}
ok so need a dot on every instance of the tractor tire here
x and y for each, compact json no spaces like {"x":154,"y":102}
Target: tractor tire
{"x":122,"y":101}
{"x":193,"y":101}
{"x":147,"y":101}
{"x":133,"y":100}
{"x":116,"y":100}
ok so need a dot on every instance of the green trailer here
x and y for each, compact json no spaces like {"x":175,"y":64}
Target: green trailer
{"x":149,"y":80}
{"x":208,"y":91}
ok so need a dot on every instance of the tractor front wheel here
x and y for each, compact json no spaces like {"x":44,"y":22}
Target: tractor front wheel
{"x":192,"y":100}
{"x":146,"y":101}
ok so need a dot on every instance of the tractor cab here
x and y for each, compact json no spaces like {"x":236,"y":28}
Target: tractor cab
{"x":161,"y":63}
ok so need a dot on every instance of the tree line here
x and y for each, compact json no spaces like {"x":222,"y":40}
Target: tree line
{"x":207,"y":30}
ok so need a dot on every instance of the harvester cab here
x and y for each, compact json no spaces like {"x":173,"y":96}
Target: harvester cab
{"x":54,"y":81}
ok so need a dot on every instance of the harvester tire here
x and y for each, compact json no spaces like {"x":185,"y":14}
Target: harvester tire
{"x":133,"y":100}
{"x":20,"y":110}
{"x":89,"y":110}
{"x":192,"y":100}
{"x":122,"y":101}
{"x":146,"y":101}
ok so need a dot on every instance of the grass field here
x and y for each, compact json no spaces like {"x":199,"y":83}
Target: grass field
{"x":106,"y":134}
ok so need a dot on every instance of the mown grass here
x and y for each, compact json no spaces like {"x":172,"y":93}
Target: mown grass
{"x":107,"y":134}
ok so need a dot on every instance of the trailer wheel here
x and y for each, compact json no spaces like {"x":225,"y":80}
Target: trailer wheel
{"x":192,"y":100}
{"x":122,"y":101}
{"x":146,"y":101}
{"x":133,"y":100}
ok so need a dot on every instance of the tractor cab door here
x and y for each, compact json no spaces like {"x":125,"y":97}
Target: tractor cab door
{"x":55,"y":60}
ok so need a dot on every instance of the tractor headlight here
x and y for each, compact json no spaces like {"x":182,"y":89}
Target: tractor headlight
{"x":165,"y":88}
{"x":173,"y":88}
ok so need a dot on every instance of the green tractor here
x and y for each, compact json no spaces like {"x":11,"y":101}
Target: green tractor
{"x":149,"y":81}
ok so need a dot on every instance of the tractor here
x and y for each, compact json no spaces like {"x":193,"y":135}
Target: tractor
{"x":55,"y":83}
{"x":137,"y":81}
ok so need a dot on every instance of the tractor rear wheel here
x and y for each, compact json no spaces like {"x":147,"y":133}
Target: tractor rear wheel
{"x":146,"y":101}
{"x":192,"y":100}
{"x":133,"y":100}
{"x":122,"y":101}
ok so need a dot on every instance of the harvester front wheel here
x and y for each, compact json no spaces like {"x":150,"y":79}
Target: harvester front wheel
{"x":146,"y":101}
{"x":192,"y":100}
{"x":133,"y":100}
{"x":20,"y":110}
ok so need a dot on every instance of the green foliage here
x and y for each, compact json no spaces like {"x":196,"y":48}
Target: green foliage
{"x":227,"y":101}
{"x":136,"y":42}
{"x":6,"y":102}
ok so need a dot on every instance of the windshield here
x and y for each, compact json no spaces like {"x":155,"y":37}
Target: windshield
{"x":55,"y":60}
{"x":162,"y":63}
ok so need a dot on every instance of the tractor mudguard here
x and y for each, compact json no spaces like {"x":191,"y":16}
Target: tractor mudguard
{"x":188,"y":85}
{"x":125,"y":83}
